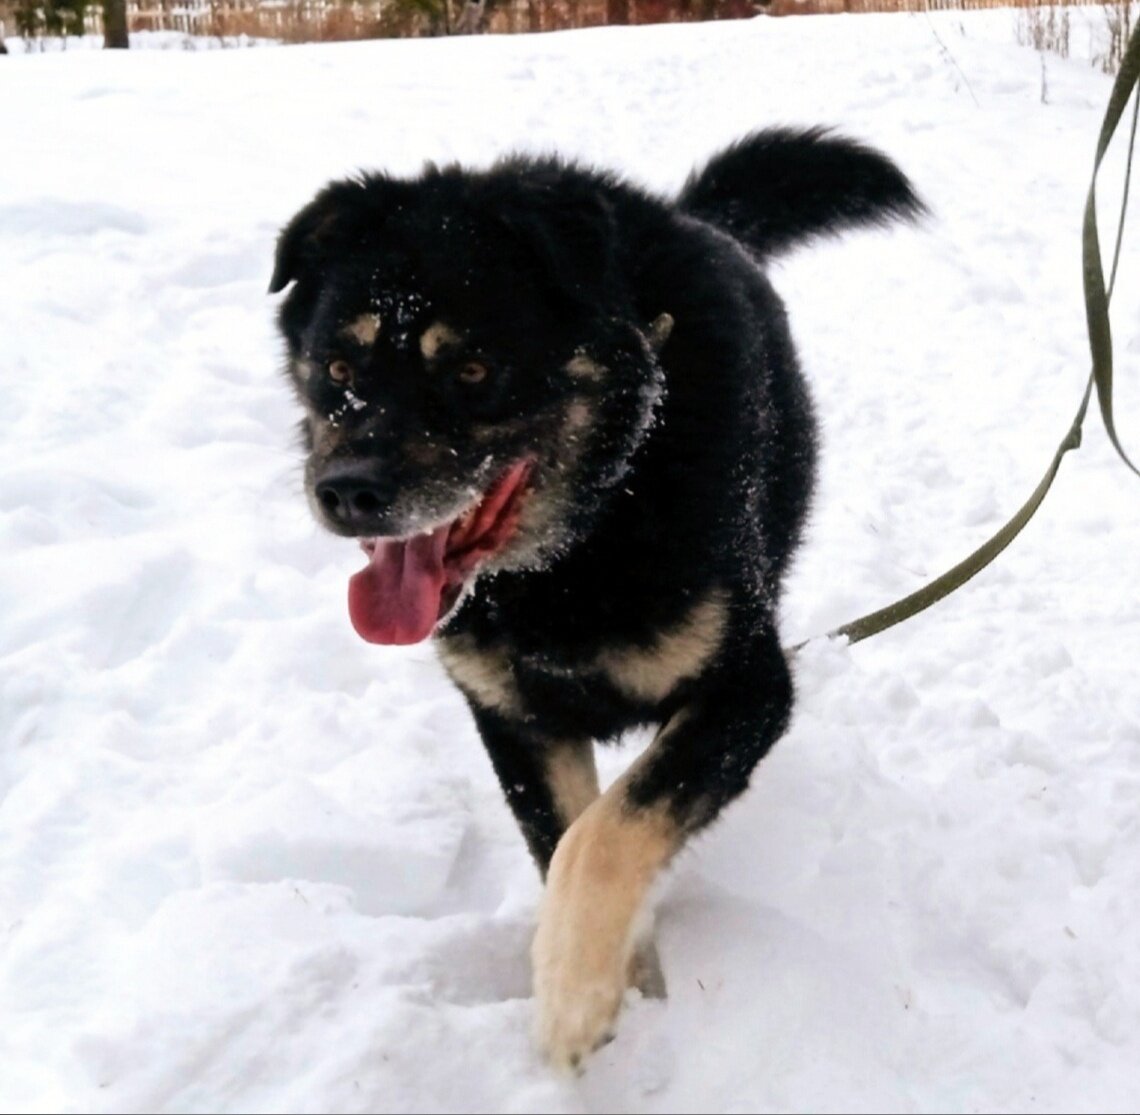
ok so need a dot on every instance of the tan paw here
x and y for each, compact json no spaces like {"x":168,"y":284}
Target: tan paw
{"x":573,"y":1021}
{"x":580,"y":976}
{"x":578,"y":990}
{"x":584,"y":947}
{"x":576,"y":1017}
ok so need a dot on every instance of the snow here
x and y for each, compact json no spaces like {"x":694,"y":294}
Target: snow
{"x":248,"y":862}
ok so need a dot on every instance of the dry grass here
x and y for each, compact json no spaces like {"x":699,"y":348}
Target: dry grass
{"x":333,"y":20}
{"x":1121,"y":18}
{"x":1045,"y":27}
{"x":296,"y":23}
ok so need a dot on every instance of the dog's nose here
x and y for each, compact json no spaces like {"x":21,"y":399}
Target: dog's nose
{"x":353,"y":495}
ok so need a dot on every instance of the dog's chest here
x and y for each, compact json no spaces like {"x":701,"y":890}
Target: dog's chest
{"x":555,"y":694}
{"x":595,"y":687}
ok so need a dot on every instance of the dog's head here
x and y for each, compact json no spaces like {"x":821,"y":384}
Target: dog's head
{"x":474,"y":374}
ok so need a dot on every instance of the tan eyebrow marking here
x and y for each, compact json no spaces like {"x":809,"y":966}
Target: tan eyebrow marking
{"x":436,"y":337}
{"x":364,"y":329}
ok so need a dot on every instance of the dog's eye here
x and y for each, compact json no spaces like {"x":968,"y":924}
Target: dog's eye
{"x":473,"y":372}
{"x":340,"y":371}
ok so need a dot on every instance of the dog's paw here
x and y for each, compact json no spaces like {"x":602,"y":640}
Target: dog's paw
{"x":591,"y":922}
{"x":577,"y":1011}
{"x":576,"y":1015}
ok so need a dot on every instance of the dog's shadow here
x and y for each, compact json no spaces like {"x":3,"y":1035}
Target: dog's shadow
{"x":478,"y":931}
{"x":756,"y":998}
{"x":473,"y":959}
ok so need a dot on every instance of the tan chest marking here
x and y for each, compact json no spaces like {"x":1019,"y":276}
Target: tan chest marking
{"x":681,"y":652}
{"x":483,"y":672}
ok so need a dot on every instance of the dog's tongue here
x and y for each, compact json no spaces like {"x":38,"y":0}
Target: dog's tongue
{"x":396,"y":598}
{"x":401,"y":594}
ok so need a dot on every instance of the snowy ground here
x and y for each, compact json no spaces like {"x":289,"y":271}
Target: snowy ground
{"x":250,"y":863}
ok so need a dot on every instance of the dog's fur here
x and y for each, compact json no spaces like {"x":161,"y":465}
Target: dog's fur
{"x":627,"y":357}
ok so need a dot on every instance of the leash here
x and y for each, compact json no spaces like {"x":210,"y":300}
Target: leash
{"x":1097,"y":299}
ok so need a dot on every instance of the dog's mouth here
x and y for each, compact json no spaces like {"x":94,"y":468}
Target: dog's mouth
{"x":410,"y":584}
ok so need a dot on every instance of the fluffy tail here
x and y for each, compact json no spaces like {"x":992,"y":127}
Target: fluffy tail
{"x":774,"y":189}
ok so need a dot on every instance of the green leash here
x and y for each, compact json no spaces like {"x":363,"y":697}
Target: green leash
{"x":1097,"y":298}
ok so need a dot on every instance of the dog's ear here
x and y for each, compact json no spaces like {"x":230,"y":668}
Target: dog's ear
{"x":310,"y":236}
{"x":299,"y":242}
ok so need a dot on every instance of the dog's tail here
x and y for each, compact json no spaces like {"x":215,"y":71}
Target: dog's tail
{"x":774,"y":189}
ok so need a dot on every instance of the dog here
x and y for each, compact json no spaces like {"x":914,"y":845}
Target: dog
{"x":564,"y":419}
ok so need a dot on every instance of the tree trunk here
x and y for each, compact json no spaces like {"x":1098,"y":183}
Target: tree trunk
{"x":471,"y":18}
{"x":115,"y":25}
{"x":618,"y":11}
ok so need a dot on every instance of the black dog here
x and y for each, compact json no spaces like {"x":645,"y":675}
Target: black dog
{"x":565,"y":420}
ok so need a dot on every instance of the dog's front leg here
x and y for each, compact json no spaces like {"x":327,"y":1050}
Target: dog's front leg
{"x":584,"y":950}
{"x":548,"y":785}
{"x":547,"y":782}
{"x":604,"y":866}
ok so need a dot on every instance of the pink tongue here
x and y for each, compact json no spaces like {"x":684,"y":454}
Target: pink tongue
{"x":396,"y":599}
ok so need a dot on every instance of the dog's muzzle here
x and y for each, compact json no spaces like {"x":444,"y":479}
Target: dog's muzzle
{"x":355,"y":496}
